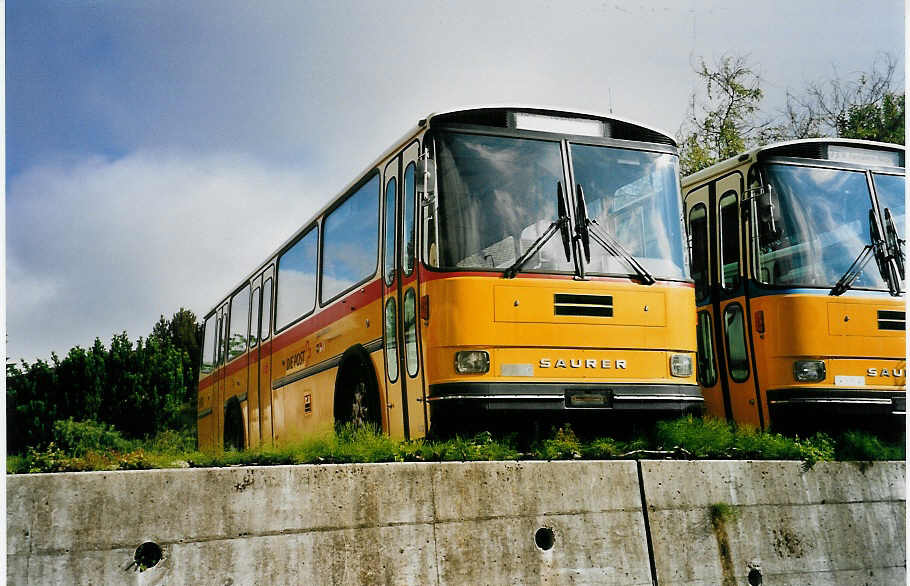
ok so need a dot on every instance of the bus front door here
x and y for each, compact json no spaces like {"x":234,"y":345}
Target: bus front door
{"x":730,"y":302}
{"x":405,"y":396}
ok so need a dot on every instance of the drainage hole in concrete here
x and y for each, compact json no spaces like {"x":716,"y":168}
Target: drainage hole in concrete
{"x":147,"y":555}
{"x":544,"y":538}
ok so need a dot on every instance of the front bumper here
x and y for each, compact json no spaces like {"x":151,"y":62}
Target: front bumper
{"x":856,"y":402}
{"x":564,"y":397}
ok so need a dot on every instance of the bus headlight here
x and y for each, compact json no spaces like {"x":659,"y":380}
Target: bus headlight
{"x":809,"y":371}
{"x":472,"y":362}
{"x":681,"y":365}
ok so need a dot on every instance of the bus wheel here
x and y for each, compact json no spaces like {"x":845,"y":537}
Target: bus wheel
{"x":356,"y":392}
{"x":233,"y":426}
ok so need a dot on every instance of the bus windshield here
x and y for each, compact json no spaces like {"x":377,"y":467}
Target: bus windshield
{"x":822,"y":226}
{"x":498,"y":195}
{"x":633,"y":196}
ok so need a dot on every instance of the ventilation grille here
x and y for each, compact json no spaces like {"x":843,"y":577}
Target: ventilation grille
{"x":892,"y":320}
{"x":590,"y":305}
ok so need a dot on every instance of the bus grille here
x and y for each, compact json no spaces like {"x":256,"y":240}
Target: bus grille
{"x":892,"y":320}
{"x":590,"y":305}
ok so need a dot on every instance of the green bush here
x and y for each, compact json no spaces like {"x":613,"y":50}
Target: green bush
{"x":564,"y":445}
{"x":173,"y":441}
{"x":702,"y":438}
{"x":856,"y":445}
{"x":76,"y":438}
{"x":50,"y":459}
{"x":480,"y":447}
{"x":713,"y":438}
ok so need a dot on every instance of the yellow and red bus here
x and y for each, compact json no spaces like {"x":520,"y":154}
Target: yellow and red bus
{"x":493,"y":261}
{"x":798,"y":262}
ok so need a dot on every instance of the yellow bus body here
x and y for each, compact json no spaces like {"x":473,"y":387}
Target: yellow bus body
{"x":863,"y":353}
{"x":286,"y":386}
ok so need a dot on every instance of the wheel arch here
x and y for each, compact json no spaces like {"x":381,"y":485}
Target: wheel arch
{"x":233,"y":408}
{"x":354,"y":357}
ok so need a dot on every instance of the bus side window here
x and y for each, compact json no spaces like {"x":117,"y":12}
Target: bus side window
{"x":735,"y":333}
{"x":220,"y":352}
{"x":409,"y":310}
{"x":706,"y":368}
{"x":409,"y":235}
{"x":240,"y":324}
{"x":391,"y":210}
{"x":729,"y":237}
{"x":267,"y":309}
{"x":350,"y":241}
{"x":208,"y":346}
{"x":254,"y":319}
{"x":296,"y":294}
{"x":391,"y":340}
{"x":698,"y":228}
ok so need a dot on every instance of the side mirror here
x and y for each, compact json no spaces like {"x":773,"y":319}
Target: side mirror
{"x":768,"y":212}
{"x":426,"y":178}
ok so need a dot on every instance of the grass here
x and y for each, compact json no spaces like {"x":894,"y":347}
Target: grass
{"x":81,"y":446}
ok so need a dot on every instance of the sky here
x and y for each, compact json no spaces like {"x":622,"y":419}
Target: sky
{"x":156,"y":152}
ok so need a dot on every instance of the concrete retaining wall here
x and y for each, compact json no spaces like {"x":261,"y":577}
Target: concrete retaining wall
{"x":837,"y":523}
{"x":464,"y":523}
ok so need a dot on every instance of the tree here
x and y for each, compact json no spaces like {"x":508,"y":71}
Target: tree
{"x":140,"y":389}
{"x":723,"y":123}
{"x":869,"y":106}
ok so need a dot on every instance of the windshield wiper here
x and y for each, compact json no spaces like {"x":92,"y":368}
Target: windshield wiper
{"x":894,"y":243}
{"x":876,"y":250}
{"x":587,"y":229}
{"x":561,"y":223}
{"x":853,"y":271}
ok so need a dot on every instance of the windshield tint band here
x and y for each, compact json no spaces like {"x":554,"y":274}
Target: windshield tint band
{"x":656,"y":147}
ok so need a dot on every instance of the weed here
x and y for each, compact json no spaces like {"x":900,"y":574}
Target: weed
{"x":721,"y":513}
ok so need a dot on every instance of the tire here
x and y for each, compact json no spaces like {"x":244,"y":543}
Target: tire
{"x":233,"y":427}
{"x":356,"y":392}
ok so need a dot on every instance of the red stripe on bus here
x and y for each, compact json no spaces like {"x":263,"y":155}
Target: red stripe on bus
{"x":338,"y":309}
{"x":329,"y":314}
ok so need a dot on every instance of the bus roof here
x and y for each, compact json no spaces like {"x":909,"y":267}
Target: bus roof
{"x":648,"y":133}
{"x":490,"y":111}
{"x":754,"y":154}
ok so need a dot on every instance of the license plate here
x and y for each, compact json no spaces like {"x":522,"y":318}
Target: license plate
{"x":588,"y":398}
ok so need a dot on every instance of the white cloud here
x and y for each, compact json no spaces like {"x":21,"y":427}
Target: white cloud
{"x":99,"y":246}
